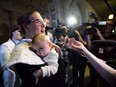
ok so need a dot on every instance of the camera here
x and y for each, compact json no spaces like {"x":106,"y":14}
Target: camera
{"x":90,"y":28}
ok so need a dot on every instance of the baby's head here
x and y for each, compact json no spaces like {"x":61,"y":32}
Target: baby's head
{"x":41,"y":44}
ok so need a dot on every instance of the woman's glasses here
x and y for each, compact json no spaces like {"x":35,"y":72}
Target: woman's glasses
{"x":40,"y":22}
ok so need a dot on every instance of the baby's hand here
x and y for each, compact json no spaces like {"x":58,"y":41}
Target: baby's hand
{"x":37,"y":74}
{"x":36,"y":81}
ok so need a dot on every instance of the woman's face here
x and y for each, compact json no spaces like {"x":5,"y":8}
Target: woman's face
{"x":36,"y":26}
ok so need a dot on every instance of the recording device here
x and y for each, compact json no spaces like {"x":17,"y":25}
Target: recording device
{"x":90,"y":28}
{"x":84,"y":29}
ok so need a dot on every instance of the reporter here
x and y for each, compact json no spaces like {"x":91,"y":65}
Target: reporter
{"x":108,"y":73}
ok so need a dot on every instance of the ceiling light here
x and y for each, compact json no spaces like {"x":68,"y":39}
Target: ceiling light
{"x":111,"y":16}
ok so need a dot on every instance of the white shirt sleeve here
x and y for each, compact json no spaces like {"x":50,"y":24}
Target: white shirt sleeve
{"x":52,"y":60}
{"x":4,"y":54}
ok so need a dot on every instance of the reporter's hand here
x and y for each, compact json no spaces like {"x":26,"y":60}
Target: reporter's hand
{"x":98,"y":33}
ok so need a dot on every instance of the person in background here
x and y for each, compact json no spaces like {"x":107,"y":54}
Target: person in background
{"x":7,"y":47}
{"x":5,"y":51}
{"x":107,"y":72}
{"x":4,"y":36}
{"x":79,"y":64}
{"x":48,"y":29}
{"x":107,"y":53}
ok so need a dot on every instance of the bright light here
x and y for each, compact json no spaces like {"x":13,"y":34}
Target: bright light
{"x":111,"y":16}
{"x":72,"y":21}
{"x":113,"y":31}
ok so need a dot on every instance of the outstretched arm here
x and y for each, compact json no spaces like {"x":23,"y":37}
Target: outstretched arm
{"x":108,"y":73}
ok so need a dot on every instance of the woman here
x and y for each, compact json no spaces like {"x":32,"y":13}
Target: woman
{"x":26,"y":62}
{"x":5,"y":51}
{"x":108,"y":73}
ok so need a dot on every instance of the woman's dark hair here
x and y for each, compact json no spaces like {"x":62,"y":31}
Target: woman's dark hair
{"x":14,"y":28}
{"x":24,"y":19}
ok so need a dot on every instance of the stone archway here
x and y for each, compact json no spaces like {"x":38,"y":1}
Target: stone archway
{"x":55,"y":11}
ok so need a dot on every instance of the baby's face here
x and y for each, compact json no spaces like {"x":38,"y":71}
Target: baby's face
{"x":42,"y":48}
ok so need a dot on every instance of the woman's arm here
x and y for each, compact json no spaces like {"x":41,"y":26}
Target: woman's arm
{"x":108,"y":73}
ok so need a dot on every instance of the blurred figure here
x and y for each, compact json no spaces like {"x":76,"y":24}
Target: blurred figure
{"x":5,"y":51}
{"x":104,"y":53}
{"x":47,"y":21}
{"x":60,"y":35}
{"x":108,"y":53}
{"x":7,"y":47}
{"x":107,"y":30}
{"x":4,"y":36}
{"x":78,"y":62}
{"x":48,"y":29}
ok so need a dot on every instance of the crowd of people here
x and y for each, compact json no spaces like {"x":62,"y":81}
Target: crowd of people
{"x":34,"y":57}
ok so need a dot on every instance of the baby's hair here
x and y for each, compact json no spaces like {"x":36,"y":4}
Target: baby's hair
{"x":42,"y":37}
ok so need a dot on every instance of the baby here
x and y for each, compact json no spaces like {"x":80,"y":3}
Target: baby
{"x":45,"y":49}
